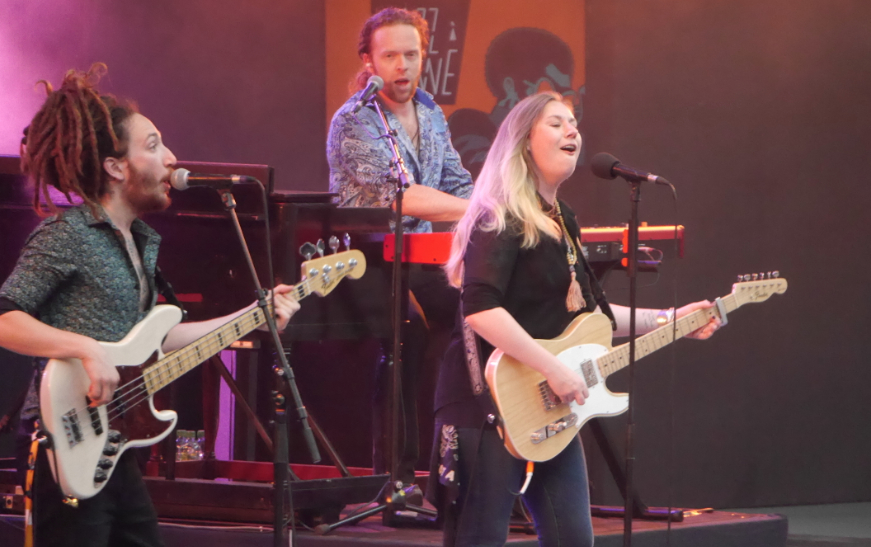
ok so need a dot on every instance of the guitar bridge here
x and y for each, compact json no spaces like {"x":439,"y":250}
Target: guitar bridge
{"x":553,"y":428}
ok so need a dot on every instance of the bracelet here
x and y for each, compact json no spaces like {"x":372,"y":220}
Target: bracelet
{"x":664,"y":317}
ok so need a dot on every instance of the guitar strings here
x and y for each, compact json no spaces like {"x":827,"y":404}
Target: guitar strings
{"x":618,"y":358}
{"x":135,"y":391}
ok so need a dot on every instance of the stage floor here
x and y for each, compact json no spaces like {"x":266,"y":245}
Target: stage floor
{"x":714,"y":529}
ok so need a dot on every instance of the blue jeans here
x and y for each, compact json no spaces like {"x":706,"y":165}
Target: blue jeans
{"x":558,"y":496}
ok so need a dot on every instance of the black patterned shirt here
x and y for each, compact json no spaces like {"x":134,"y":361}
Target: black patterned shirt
{"x":75,"y":274}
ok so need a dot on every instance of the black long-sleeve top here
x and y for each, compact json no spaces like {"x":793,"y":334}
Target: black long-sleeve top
{"x":531,"y":284}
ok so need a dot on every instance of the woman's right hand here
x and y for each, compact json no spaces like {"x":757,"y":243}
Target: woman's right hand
{"x":567,"y":384}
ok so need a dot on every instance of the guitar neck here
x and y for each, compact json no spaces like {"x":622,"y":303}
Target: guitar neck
{"x":618,"y":358}
{"x":173,"y":366}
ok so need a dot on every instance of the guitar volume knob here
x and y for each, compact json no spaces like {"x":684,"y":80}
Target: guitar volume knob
{"x":110,"y":450}
{"x":100,"y":476}
{"x":105,"y":463}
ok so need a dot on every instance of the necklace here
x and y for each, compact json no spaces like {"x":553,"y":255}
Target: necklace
{"x":415,"y":139}
{"x":575,"y":298}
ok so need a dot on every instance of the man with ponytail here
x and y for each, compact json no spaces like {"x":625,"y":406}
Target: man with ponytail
{"x":392,"y":45}
{"x":88,"y":274}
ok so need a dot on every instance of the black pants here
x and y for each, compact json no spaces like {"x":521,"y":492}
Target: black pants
{"x":121,"y":515}
{"x":439,"y":303}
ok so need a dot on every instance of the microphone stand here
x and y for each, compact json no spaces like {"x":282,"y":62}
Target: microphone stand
{"x":632,"y":272}
{"x":285,"y":380}
{"x":392,"y":497}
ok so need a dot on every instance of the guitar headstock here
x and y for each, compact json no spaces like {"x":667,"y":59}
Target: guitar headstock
{"x":322,"y":274}
{"x":758,"y":287}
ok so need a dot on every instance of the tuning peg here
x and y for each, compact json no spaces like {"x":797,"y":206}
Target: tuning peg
{"x":307,"y":250}
{"x":320,"y":245}
{"x":755,"y":277}
{"x":346,"y":239}
{"x":740,"y":278}
{"x":775,"y":274}
{"x":746,"y":277}
{"x":334,"y":244}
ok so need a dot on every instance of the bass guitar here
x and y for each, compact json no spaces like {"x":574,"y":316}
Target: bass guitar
{"x":85,"y":442}
{"x":537,"y":425}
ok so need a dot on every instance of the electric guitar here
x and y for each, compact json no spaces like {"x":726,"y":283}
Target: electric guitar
{"x":537,"y":425}
{"x":85,"y":442}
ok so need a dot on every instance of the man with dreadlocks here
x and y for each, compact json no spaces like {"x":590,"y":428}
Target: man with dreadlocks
{"x":88,"y":274}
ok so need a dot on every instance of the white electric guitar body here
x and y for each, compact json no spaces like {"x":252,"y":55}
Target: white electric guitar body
{"x":86,"y":442}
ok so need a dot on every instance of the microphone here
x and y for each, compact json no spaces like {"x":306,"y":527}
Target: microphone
{"x":182,"y":179}
{"x":606,"y":166}
{"x":373,"y":86}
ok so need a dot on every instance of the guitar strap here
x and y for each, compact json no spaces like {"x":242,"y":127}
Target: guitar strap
{"x":598,"y":293}
{"x":29,"y":492}
{"x":472,"y":346}
{"x":595,"y":287}
{"x":166,"y":290}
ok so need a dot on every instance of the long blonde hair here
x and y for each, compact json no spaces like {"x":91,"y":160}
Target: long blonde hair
{"x":507,"y":186}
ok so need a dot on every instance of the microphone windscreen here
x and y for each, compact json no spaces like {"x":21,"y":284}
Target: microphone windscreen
{"x":603,"y":164}
{"x":179,"y":179}
{"x":377,"y":81}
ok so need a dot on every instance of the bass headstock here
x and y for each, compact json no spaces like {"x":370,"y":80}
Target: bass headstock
{"x":321,"y":275}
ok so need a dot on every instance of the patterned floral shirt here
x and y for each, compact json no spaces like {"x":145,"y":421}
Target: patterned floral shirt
{"x":75,"y":274}
{"x":360,"y":160}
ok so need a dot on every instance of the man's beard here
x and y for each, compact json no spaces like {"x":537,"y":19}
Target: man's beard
{"x":145,"y":194}
{"x":391,"y":93}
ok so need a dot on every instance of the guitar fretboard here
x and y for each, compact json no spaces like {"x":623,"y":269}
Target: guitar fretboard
{"x":618,"y":358}
{"x":176,"y":364}
{"x":173,"y":366}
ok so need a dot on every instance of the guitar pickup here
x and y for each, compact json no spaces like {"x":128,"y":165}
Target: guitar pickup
{"x":549,"y":399}
{"x":72,"y":427}
{"x":96,"y":423}
{"x":589,"y":373}
{"x":553,"y":428}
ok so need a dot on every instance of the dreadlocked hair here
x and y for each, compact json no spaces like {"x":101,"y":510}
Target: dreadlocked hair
{"x":68,"y":139}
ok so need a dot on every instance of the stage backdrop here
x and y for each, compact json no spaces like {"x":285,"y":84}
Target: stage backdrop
{"x":758,"y":111}
{"x":224,"y":81}
{"x":484,"y":56}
